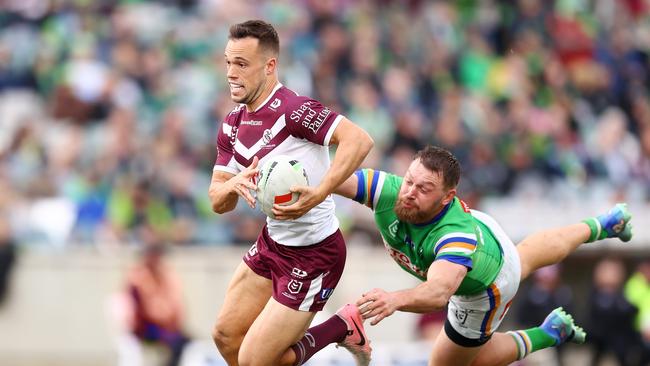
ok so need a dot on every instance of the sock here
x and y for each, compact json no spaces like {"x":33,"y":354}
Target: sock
{"x":316,"y":338}
{"x":531,"y":340}
{"x":597,"y":232}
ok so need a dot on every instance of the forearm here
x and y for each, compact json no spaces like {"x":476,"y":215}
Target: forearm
{"x":350,"y":153}
{"x":222,"y":197}
{"x":424,"y":298}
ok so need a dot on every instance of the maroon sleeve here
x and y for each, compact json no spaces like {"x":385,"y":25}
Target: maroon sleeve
{"x":308,"y":119}
{"x":225,"y":152}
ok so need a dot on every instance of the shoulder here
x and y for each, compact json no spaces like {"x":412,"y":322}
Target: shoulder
{"x":234,"y":114}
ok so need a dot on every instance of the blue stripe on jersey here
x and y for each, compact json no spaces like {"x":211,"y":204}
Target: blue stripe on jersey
{"x":487,"y":314}
{"x":455,"y":240}
{"x":373,"y":187}
{"x":463,"y":261}
{"x":361,"y":186}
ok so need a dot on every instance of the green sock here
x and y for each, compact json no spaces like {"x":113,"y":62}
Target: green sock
{"x":597,"y":233}
{"x":531,"y":340}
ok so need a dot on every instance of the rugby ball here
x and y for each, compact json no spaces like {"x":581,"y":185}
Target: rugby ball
{"x":275,"y":178}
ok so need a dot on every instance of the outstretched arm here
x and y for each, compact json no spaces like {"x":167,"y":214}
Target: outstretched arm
{"x":443,"y":279}
{"x":348,"y":189}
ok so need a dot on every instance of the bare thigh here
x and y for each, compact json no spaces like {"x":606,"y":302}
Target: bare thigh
{"x":246,"y":296}
{"x":447,"y":353}
{"x":273,"y":332}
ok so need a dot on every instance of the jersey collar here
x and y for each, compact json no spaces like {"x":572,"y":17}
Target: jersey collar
{"x":438,"y":216}
{"x":275,"y":89}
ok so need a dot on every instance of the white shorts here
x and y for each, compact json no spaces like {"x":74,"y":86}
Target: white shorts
{"x":474,"y":318}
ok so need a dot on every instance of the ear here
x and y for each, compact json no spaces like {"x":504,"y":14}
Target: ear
{"x":269,"y":68}
{"x":449,"y":196}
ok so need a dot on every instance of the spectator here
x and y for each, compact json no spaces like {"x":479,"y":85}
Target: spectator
{"x":546,"y":293}
{"x":158,"y":311}
{"x":7,"y":258}
{"x":611,"y":316}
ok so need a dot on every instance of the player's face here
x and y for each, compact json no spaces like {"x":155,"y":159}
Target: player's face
{"x":422,"y":194}
{"x":245,"y":69}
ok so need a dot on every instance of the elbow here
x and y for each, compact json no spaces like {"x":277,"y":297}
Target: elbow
{"x":367,"y":143}
{"x":219,"y":209}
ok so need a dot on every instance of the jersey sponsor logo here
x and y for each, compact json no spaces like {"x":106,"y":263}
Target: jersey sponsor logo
{"x":392,"y":228}
{"x":404,"y":261}
{"x":315,"y":126}
{"x":297,"y":272}
{"x":298,"y":113}
{"x":275,"y":104}
{"x":326,"y":293}
{"x":294,"y":286}
{"x":251,"y":123}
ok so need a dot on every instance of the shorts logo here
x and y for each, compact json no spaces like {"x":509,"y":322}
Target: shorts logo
{"x":275,"y":104}
{"x":294,"y":286}
{"x":252,"y":251}
{"x":461,"y":315}
{"x":297,"y":272}
{"x":326,"y":293}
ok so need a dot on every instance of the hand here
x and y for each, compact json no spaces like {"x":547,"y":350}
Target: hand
{"x":309,"y":197}
{"x":242,"y":183}
{"x":377,"y":303}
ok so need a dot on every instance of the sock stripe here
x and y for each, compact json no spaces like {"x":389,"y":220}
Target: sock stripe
{"x":521,"y":344}
{"x":600,"y":228}
{"x":527,"y":342}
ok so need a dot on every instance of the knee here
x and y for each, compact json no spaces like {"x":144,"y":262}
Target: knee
{"x":227,"y":343}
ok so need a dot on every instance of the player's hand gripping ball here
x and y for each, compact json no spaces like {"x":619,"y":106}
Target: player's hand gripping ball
{"x":275,"y":180}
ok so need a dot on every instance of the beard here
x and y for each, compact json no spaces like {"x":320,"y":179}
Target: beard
{"x":412,"y":215}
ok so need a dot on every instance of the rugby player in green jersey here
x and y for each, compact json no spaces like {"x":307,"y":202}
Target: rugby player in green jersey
{"x":465,"y":260}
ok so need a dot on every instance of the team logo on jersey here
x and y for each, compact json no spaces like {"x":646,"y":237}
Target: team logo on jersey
{"x":267,"y":136}
{"x":294,"y":286}
{"x":275,"y":104}
{"x":392,"y":228}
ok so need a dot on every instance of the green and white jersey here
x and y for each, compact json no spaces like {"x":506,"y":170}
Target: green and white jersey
{"x":453,"y":235}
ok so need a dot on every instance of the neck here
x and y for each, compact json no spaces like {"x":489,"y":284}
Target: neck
{"x":267,"y":89}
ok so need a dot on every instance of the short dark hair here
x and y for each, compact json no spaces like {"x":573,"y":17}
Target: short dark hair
{"x":263,"y":31}
{"x":440,"y":160}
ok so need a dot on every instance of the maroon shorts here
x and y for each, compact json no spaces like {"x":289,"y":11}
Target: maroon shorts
{"x":303,"y":277}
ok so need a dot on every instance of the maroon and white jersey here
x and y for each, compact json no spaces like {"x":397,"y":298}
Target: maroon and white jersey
{"x":284,"y":124}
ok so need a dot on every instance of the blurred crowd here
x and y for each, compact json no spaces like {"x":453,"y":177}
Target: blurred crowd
{"x":109,"y":109}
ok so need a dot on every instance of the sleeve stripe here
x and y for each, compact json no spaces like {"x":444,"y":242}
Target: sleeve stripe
{"x":372,"y":185}
{"x":330,"y":132}
{"x":370,"y":174}
{"x":457,"y":245}
{"x":463,"y":261}
{"x":377,"y":188}
{"x":454,"y":239}
{"x":456,"y":250}
{"x":361,"y":186}
{"x":226,"y":169}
